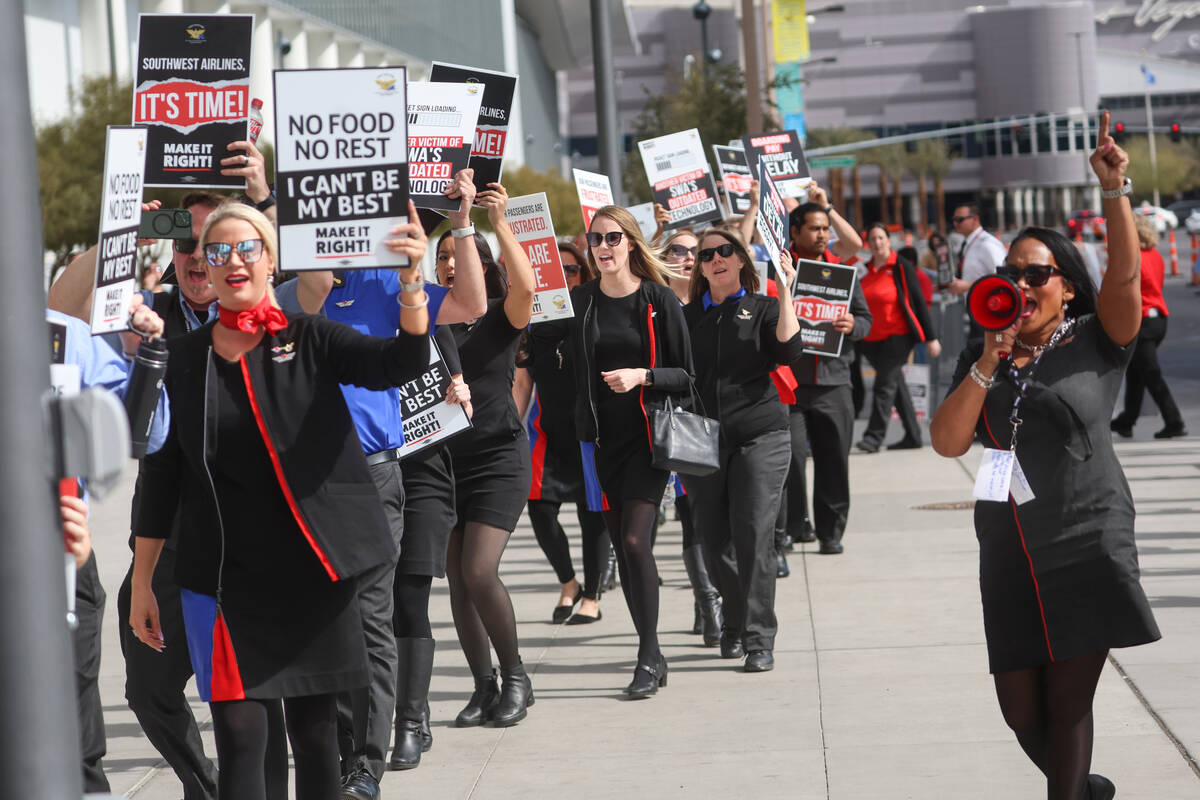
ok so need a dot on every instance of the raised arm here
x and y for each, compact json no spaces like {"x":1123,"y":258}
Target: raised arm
{"x":249,"y":162}
{"x":747,"y":225}
{"x":467,"y":298}
{"x":1119,"y":305}
{"x":849,"y":242}
{"x":787,"y":326}
{"x":518,"y":304}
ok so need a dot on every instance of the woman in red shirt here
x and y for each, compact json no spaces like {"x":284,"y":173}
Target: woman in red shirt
{"x":1144,"y":373}
{"x":900,"y":318}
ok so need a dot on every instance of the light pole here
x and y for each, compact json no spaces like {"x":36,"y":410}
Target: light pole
{"x":701,"y":12}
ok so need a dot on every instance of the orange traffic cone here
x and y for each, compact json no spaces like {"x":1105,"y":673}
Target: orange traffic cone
{"x":1174,"y":252}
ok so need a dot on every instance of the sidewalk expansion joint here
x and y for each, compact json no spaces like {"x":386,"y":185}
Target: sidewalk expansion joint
{"x":812,"y":627}
{"x":1133,"y":687}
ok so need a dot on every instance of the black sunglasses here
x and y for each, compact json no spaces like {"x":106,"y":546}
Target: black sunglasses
{"x":957,"y":220}
{"x":571,"y":269}
{"x":1034,"y":274}
{"x":722,"y":250}
{"x":613,"y":238}
{"x":186,"y":246}
{"x":218,"y":253}
{"x":680,"y":252}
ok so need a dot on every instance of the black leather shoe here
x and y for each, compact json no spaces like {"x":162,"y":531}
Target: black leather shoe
{"x":731,"y":646}
{"x":483,"y":700}
{"x":585,"y":619}
{"x":515,"y":697}
{"x":1100,"y":788}
{"x":360,"y":785}
{"x":806,"y":535}
{"x":905,"y":444}
{"x":1120,"y":427}
{"x":866,"y":446}
{"x":760,"y":661}
{"x":781,"y":566}
{"x":831,"y":548}
{"x":647,"y":679}
{"x":1171,"y":431}
{"x":563,"y":613}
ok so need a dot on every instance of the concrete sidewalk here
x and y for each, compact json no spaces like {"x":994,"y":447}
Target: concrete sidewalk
{"x":880,"y":688}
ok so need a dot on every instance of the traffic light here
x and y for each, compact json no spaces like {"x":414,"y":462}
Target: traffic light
{"x":1176,"y":132}
{"x":1119,"y":132}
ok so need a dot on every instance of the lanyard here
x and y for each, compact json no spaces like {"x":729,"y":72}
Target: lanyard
{"x":1063,"y":330}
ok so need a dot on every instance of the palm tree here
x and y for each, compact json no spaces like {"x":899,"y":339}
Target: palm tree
{"x":892,"y":162}
{"x":932,"y":159}
{"x":828,"y":137}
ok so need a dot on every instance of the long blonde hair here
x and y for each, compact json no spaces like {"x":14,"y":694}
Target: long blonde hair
{"x":643,"y":261}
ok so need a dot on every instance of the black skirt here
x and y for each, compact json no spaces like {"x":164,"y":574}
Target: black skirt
{"x":491,"y":482}
{"x":428,"y":513}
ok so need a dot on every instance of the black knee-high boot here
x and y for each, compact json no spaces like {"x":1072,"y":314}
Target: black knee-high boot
{"x":415,"y":658}
{"x":708,"y":601}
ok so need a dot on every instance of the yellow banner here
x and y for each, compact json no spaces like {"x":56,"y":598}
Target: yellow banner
{"x":790,"y":25}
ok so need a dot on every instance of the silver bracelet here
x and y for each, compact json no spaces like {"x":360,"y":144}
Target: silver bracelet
{"x":982,"y":380}
{"x":415,"y":306}
{"x":462,"y":233}
{"x":415,"y":286}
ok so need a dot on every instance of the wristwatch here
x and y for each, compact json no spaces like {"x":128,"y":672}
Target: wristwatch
{"x":462,"y":233}
{"x":828,"y":209}
{"x":649,"y":377}
{"x":1113,"y":194}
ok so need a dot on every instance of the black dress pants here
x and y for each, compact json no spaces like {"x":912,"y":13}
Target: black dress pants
{"x":888,"y":357}
{"x":1145,"y":375}
{"x":365,"y":715}
{"x":89,"y":610}
{"x":738,"y":504}
{"x":824,"y":417}
{"x":155,"y":682}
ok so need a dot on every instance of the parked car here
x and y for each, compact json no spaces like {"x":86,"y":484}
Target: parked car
{"x":1181,"y":208}
{"x":1164,"y":219}
{"x":1086,"y":223}
{"x":1192,"y":223}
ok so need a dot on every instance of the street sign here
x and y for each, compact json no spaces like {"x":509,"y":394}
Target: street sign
{"x":832,"y":162}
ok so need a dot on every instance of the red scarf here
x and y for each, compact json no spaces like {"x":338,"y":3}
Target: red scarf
{"x":248,"y":321}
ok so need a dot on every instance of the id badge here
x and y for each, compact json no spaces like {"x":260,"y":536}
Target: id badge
{"x":995,"y":475}
{"x":1021,"y":491}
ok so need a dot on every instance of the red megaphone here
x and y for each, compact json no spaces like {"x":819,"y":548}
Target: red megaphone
{"x":995,"y":302}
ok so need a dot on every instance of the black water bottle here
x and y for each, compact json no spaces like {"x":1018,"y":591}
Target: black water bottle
{"x":141,"y":395}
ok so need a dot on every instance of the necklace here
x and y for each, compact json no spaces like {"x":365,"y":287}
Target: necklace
{"x":1036,"y":349}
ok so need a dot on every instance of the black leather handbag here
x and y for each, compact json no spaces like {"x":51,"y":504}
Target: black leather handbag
{"x":684,"y":442}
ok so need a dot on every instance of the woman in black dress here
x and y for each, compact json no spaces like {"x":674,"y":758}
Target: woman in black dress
{"x":631,"y":348}
{"x":1057,"y":559}
{"x":491,"y":477}
{"x":277,"y":509}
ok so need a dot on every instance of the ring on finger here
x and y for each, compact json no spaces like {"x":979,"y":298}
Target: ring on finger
{"x":999,"y":337}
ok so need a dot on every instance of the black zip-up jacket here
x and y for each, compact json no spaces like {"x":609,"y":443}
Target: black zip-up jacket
{"x":292,"y":380}
{"x":666,"y":349}
{"x":735,"y":348}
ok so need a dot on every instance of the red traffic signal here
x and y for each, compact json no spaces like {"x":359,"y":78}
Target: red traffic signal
{"x":1176,"y":132}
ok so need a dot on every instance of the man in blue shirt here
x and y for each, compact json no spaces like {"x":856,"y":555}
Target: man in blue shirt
{"x":367,"y":300}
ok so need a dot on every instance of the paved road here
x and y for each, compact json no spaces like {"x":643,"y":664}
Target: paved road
{"x":881,"y":687}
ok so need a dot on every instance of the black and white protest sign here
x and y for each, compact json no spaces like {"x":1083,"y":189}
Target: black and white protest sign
{"x":491,"y":130}
{"x":341,"y":157}
{"x":192,"y":92}
{"x":426,"y":416}
{"x":529,"y":218}
{"x":679,"y":175}
{"x":784,"y":157}
{"x":120,"y":214}
{"x":736,"y":177}
{"x":441,"y":132}
{"x":821,"y":293}
{"x":594,"y":191}
{"x":772,"y":218}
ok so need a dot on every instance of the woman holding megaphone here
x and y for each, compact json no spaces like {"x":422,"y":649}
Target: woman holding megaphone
{"x":1058,"y":563}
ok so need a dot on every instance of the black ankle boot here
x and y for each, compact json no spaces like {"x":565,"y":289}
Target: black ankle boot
{"x":515,"y":698}
{"x":647,"y":678}
{"x":1099,"y":788}
{"x":707,"y":599}
{"x":483,"y":701}
{"x":414,"y":669}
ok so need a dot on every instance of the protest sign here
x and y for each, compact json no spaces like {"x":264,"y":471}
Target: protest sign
{"x":772,"y":218}
{"x":595,"y":192}
{"x":120,"y":213}
{"x":341,"y":160}
{"x":425,"y":415}
{"x":644,"y":214}
{"x":916,"y":378}
{"x":736,"y":177}
{"x":529,"y":218}
{"x":784,"y":157}
{"x":441,"y":131}
{"x":192,"y":92}
{"x":821,"y":294}
{"x":680,"y":177}
{"x":491,"y":130}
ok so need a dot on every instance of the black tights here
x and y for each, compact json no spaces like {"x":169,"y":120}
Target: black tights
{"x":543,"y":517}
{"x":1050,"y":710}
{"x":252,"y":758}
{"x":410,"y":606}
{"x":479,"y":602}
{"x":631,"y":527}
